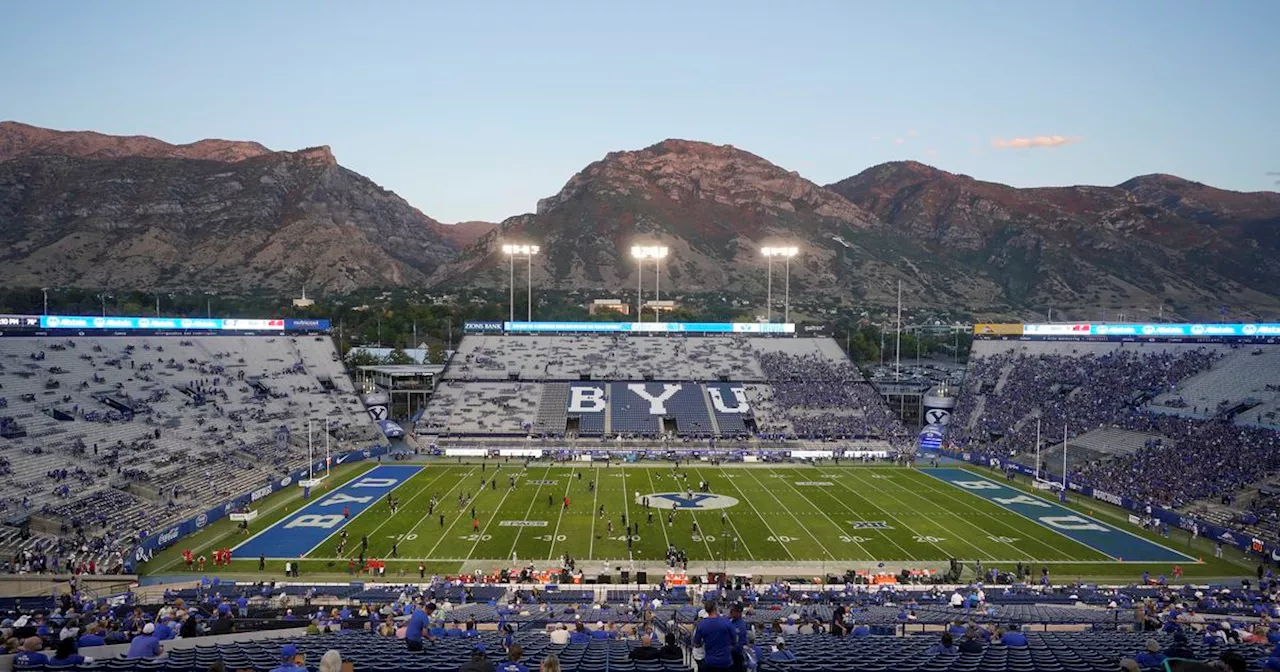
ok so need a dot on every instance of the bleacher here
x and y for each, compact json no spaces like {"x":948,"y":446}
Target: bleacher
{"x":729,"y":386}
{"x":125,"y":433}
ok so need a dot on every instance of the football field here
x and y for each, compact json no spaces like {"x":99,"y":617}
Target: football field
{"x":748,"y":514}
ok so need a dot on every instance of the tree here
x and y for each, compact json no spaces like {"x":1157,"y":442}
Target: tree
{"x":399,"y":356}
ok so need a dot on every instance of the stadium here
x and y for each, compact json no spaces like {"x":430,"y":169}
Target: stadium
{"x":1086,"y":477}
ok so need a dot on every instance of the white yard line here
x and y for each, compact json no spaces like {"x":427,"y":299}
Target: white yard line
{"x":595,"y":493}
{"x":480,"y":534}
{"x":736,"y":533}
{"x":985,"y":555}
{"x":822,"y":511}
{"x":528,"y":511}
{"x":568,"y":483}
{"x":389,"y":518}
{"x":1002,"y":523}
{"x":793,"y":517}
{"x":768,"y":527}
{"x":660,"y":523}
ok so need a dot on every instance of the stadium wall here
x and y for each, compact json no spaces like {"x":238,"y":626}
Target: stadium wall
{"x":1205,"y":529}
{"x":171,"y":535}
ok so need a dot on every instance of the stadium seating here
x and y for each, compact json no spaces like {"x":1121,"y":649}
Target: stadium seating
{"x":1141,"y":416}
{"x":122,"y":434}
{"x":794,"y":388}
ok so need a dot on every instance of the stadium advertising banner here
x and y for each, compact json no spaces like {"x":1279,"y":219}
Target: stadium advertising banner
{"x":482,"y":327}
{"x":814,"y":329}
{"x":118,"y":323}
{"x":653,"y":327}
{"x":1139,"y":330}
{"x":169,"y":536}
{"x":986,"y":329}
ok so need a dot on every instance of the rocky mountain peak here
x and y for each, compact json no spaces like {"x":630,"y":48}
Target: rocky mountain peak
{"x":18,"y":139}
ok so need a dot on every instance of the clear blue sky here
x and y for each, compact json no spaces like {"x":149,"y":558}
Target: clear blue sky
{"x":474,"y":110}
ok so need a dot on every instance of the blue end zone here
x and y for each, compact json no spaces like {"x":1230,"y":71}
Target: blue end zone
{"x":296,"y":534}
{"x":1112,"y":541}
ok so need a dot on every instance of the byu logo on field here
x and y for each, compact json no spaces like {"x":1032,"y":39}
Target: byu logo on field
{"x":937,"y":416}
{"x":699,"y":501}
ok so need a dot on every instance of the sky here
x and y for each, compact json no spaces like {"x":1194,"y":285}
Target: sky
{"x":475,"y":110}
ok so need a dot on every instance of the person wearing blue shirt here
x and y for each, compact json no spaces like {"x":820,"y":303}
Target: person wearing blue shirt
{"x":30,"y":656}
{"x":579,"y":635}
{"x":413,"y":629}
{"x":740,"y":632}
{"x":1013,"y":637}
{"x":145,"y":645}
{"x":288,"y":653}
{"x":508,"y":639}
{"x":780,"y":653}
{"x":716,"y":636}
{"x":91,"y":638}
{"x":1152,"y":657}
{"x":163,"y":631}
{"x":862,"y":630}
{"x":512,"y":663}
{"x":66,"y":655}
{"x":242,"y":604}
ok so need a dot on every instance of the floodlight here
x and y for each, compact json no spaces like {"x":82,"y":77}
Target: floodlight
{"x":520,"y":250}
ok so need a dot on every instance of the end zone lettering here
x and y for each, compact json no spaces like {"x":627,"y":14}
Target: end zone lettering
{"x":523,"y":523}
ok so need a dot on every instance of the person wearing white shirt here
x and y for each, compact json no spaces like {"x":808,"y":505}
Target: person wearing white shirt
{"x":560,"y":635}
{"x":957,"y":600}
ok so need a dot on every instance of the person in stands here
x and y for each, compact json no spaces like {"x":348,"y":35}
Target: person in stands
{"x":512,"y":663}
{"x":478,"y":662}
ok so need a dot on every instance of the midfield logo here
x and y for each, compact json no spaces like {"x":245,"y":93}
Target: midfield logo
{"x":870,"y":525}
{"x":700,"y":501}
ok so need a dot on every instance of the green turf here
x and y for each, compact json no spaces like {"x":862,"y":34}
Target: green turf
{"x":777,"y":520}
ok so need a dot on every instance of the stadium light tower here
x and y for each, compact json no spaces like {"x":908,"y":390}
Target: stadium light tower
{"x":657,"y":253}
{"x":786,"y":253}
{"x":45,"y":291}
{"x":527,"y":251}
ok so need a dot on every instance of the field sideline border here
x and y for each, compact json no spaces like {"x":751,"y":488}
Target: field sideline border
{"x":1119,"y":518}
{"x":1117,"y":528}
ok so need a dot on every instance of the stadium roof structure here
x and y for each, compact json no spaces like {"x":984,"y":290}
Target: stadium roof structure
{"x":405,"y":370}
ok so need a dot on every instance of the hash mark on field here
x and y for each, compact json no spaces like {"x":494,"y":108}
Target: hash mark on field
{"x":480,"y":536}
{"x":567,"y":483}
{"x":660,"y":523}
{"x":987,"y":555}
{"x":924,"y":483}
{"x":793,"y":517}
{"x":824,"y":515}
{"x":773,"y":535}
{"x":390,"y":518}
{"x":528,"y":511}
{"x":595,"y":494}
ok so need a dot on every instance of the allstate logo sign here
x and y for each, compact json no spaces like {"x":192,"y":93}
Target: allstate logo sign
{"x":284,"y":482}
{"x":202,"y":520}
{"x":699,"y":501}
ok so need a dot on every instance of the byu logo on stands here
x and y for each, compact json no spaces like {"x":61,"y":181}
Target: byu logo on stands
{"x":378,"y":412}
{"x":683,"y":500}
{"x":937,"y":416}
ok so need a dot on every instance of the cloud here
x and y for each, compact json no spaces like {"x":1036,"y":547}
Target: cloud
{"x":931,"y":153}
{"x":1038,"y":141}
{"x":1031,"y":143}
{"x":913,"y":132}
{"x":875,"y":138}
{"x":898,"y":141}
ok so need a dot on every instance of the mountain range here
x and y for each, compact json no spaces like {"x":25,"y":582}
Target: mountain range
{"x":91,"y":210}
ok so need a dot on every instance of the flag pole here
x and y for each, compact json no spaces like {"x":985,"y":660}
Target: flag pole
{"x":1037,"y":449}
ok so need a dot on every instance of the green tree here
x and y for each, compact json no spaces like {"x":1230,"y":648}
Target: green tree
{"x":399,"y":356}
